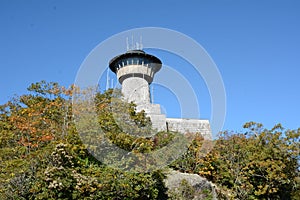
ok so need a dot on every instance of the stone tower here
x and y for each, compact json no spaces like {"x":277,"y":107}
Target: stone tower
{"x":135,"y":71}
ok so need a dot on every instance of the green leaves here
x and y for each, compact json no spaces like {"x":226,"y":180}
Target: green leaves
{"x":261,"y":164}
{"x":42,"y":155}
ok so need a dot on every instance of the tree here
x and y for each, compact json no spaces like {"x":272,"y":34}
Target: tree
{"x":256,"y":164}
{"x":43,"y":157}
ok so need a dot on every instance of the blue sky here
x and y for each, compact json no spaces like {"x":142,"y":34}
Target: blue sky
{"x":255,"y":45}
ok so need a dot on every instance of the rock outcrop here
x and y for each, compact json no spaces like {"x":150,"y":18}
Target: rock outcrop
{"x":183,"y":186}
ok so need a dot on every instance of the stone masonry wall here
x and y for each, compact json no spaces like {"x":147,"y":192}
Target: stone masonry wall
{"x":161,"y":123}
{"x":189,"y":126}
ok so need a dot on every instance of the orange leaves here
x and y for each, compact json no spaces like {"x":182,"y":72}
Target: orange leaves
{"x":33,"y":142}
{"x":102,"y":106}
{"x":46,"y":138}
{"x":35,"y":119}
{"x":25,"y":142}
{"x":69,"y":91}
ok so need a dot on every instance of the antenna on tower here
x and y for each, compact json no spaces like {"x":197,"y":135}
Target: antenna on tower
{"x":141,"y":43}
{"x":132,"y":42}
{"x":134,"y":45}
{"x":107,"y":79}
{"x":152,"y":94}
{"x":127,"y":44}
{"x":112,"y":83}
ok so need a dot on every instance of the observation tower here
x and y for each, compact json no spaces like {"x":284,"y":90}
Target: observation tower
{"x":135,"y":70}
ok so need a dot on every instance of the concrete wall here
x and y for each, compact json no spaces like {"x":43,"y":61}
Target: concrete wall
{"x":161,"y":123}
{"x":189,"y":126}
{"x":154,"y":112}
{"x":136,"y":70}
{"x":137,"y":90}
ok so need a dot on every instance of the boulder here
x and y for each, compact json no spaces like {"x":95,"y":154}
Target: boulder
{"x":183,"y":186}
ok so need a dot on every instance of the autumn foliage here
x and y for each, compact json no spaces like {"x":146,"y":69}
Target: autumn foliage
{"x":43,"y":157}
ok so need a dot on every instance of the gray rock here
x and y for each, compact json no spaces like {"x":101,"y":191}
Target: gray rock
{"x":189,"y":186}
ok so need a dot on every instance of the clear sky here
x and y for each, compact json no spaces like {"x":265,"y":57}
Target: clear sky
{"x":255,"y":44}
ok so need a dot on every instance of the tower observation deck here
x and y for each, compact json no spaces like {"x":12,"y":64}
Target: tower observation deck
{"x":137,"y":63}
{"x":135,"y":71}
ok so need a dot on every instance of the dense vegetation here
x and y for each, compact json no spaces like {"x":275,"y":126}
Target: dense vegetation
{"x":256,"y":164}
{"x":42,"y":155}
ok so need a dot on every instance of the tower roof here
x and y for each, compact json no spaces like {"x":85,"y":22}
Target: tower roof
{"x":132,"y":54}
